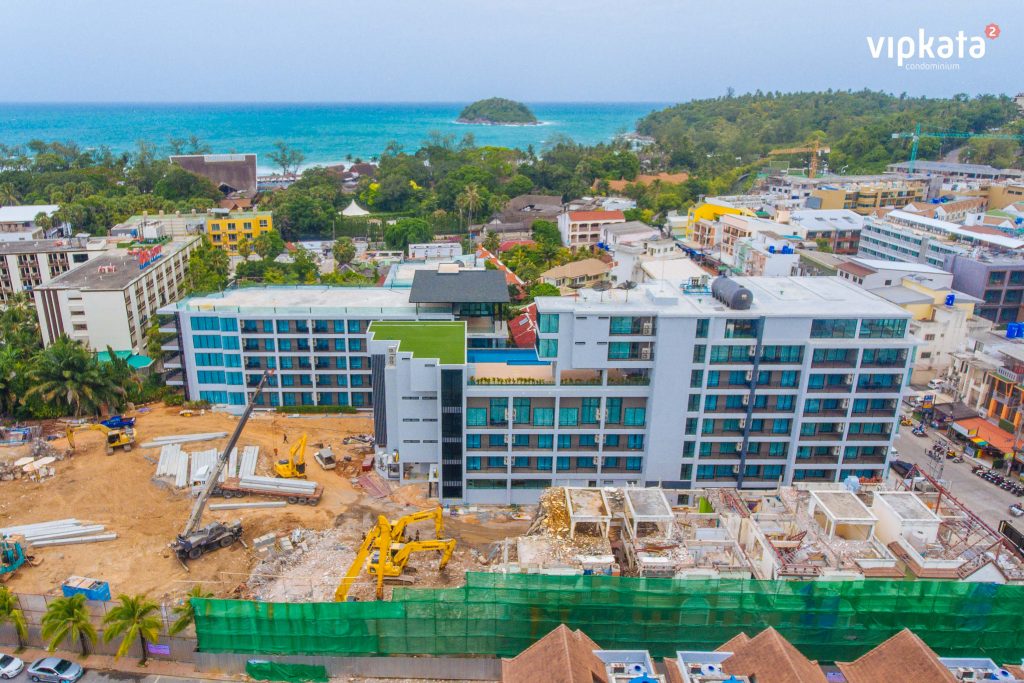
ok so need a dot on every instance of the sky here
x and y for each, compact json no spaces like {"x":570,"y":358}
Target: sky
{"x":461,"y":50}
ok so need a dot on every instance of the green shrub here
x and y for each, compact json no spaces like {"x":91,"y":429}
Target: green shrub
{"x":317,"y":410}
{"x":174,"y":399}
{"x":196,"y":405}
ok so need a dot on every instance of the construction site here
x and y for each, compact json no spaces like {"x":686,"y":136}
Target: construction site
{"x":77,"y":511}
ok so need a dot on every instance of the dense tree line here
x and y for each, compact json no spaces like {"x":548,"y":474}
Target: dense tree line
{"x":712,"y":135}
{"x":97,"y":189}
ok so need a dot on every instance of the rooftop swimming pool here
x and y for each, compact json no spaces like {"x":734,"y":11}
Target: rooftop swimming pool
{"x":508,"y":356}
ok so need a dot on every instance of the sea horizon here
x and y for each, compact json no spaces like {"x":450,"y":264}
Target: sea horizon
{"x":326,"y":132}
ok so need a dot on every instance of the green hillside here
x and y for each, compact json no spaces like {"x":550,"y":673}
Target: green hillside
{"x":497,"y":110}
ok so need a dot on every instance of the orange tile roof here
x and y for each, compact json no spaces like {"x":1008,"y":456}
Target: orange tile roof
{"x":562,"y":656}
{"x":771,"y":659}
{"x":996,"y":436}
{"x":904,"y":658}
{"x":597,"y":216}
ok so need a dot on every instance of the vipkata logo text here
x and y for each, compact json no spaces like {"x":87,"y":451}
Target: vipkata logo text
{"x":914,"y":52}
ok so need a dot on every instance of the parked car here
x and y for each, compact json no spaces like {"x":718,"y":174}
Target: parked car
{"x":935,"y":384}
{"x":10,"y":666}
{"x":54,"y":670}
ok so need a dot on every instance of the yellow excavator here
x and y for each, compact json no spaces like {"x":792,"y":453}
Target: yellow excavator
{"x":121,"y":437}
{"x":393,"y":550}
{"x":294,"y":466}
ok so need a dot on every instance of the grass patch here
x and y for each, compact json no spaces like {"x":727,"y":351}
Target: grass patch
{"x":444,"y":340}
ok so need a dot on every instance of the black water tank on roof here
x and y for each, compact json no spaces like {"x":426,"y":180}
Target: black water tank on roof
{"x":732,"y":294}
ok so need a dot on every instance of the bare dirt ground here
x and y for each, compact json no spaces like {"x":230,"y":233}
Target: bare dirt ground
{"x":118,"y":491}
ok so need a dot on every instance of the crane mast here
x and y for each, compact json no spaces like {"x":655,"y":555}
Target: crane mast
{"x":211,"y":481}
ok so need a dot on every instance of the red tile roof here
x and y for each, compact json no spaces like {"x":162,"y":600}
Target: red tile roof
{"x":597,"y":216}
{"x":523,"y":328}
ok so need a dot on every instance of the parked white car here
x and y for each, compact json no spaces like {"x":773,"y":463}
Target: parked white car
{"x":10,"y":666}
{"x":935,"y":383}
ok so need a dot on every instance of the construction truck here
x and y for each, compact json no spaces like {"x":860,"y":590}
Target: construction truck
{"x":119,"y":437}
{"x":391,"y":550}
{"x":234,"y":487}
{"x":193,"y":541}
{"x":325,"y":458}
{"x":294,"y":466}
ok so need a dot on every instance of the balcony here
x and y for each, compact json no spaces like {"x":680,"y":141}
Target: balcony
{"x":831,"y":389}
{"x":878,"y":388}
{"x":625,"y":377}
{"x":819,"y":460}
{"x":175,"y":378}
{"x":823,"y":436}
{"x":884,"y":436}
{"x":584,"y":378}
{"x":506,"y":367}
{"x":173,"y":362}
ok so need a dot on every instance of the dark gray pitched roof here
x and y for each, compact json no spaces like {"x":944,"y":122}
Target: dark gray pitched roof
{"x":465,"y":286}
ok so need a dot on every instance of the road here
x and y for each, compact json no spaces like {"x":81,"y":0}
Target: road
{"x":986,"y":500}
{"x":111,"y":676}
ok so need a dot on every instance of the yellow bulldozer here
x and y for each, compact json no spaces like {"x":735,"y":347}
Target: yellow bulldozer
{"x":120,"y":437}
{"x":390,"y":550}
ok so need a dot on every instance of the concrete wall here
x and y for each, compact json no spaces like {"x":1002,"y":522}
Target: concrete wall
{"x":431,"y":668}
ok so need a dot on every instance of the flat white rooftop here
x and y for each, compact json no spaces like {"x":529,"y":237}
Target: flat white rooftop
{"x":299,"y":299}
{"x":25,"y":214}
{"x":796,"y":297}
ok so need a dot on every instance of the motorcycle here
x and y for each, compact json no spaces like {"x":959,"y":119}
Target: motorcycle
{"x":906,"y":421}
{"x":1016,"y":510}
{"x":918,"y":431}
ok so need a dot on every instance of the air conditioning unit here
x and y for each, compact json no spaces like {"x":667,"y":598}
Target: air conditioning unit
{"x":750,"y":375}
{"x":599,"y":439}
{"x":647,"y":329}
{"x":598,"y":414}
{"x":752,"y":351}
{"x":848,"y":379}
{"x":645,"y":353}
{"x":745,"y":399}
{"x":736,"y":469}
{"x":743,"y":423}
{"x":845,"y":403}
{"x":392,"y":356}
{"x":836,"y":450}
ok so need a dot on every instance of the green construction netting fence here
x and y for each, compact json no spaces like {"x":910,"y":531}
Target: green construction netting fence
{"x":495,"y":614}
{"x":260,"y":670}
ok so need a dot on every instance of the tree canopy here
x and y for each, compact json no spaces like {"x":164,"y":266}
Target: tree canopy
{"x":497,"y":110}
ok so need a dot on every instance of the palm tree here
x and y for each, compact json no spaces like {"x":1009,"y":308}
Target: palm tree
{"x":185,"y":613}
{"x":68,"y":619}
{"x":470,"y":200}
{"x":136,"y":616}
{"x":67,"y":373}
{"x":8,"y":195}
{"x":120,"y":373}
{"x":10,"y":613}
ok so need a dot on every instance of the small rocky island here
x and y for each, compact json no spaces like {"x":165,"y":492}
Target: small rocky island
{"x":497,"y":111}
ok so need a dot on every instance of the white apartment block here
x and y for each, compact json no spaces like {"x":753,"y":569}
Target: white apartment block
{"x":27,"y":264}
{"x":112,"y":300}
{"x":18,"y":223}
{"x":583,"y":228}
{"x":784,"y":380}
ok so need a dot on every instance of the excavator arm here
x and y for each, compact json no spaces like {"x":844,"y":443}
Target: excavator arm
{"x":446,"y":546}
{"x":398,"y":529}
{"x":341,"y":592}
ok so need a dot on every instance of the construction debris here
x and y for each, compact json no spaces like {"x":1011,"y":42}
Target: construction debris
{"x":161,"y":441}
{"x":254,"y":504}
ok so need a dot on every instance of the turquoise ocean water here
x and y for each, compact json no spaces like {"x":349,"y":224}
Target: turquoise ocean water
{"x":324,"y":132}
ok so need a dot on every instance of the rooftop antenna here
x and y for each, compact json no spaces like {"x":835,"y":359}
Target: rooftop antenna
{"x":576,"y":287}
{"x":602,"y":287}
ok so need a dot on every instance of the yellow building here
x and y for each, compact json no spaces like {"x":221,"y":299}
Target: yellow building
{"x":866,"y":198}
{"x":704,"y":214}
{"x":226,"y":230}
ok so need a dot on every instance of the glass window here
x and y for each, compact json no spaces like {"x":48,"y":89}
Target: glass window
{"x":547,"y":348}
{"x":588,"y":412}
{"x":564,"y":441}
{"x":614,"y":408}
{"x":713,"y":376}
{"x":521,"y":410}
{"x":521,"y":440}
{"x":473,"y":462}
{"x":545,"y":441}
{"x":498,"y":408}
{"x":742,"y":328}
{"x":476,"y":417}
{"x":833,"y":329}
{"x":496,"y":440}
{"x":635,"y":441}
{"x":611,"y":440}
{"x":547,"y":323}
{"x":544,"y":417}
{"x":699,"y":353}
{"x":568,"y":417}
{"x":635,"y":417}
{"x":205,"y":323}
{"x":696,"y":379}
{"x":355,"y":326}
{"x":618,"y":350}
{"x":883,"y":328}
{"x":621,"y":325}
{"x":702,"y":328}
{"x":788,"y":378}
